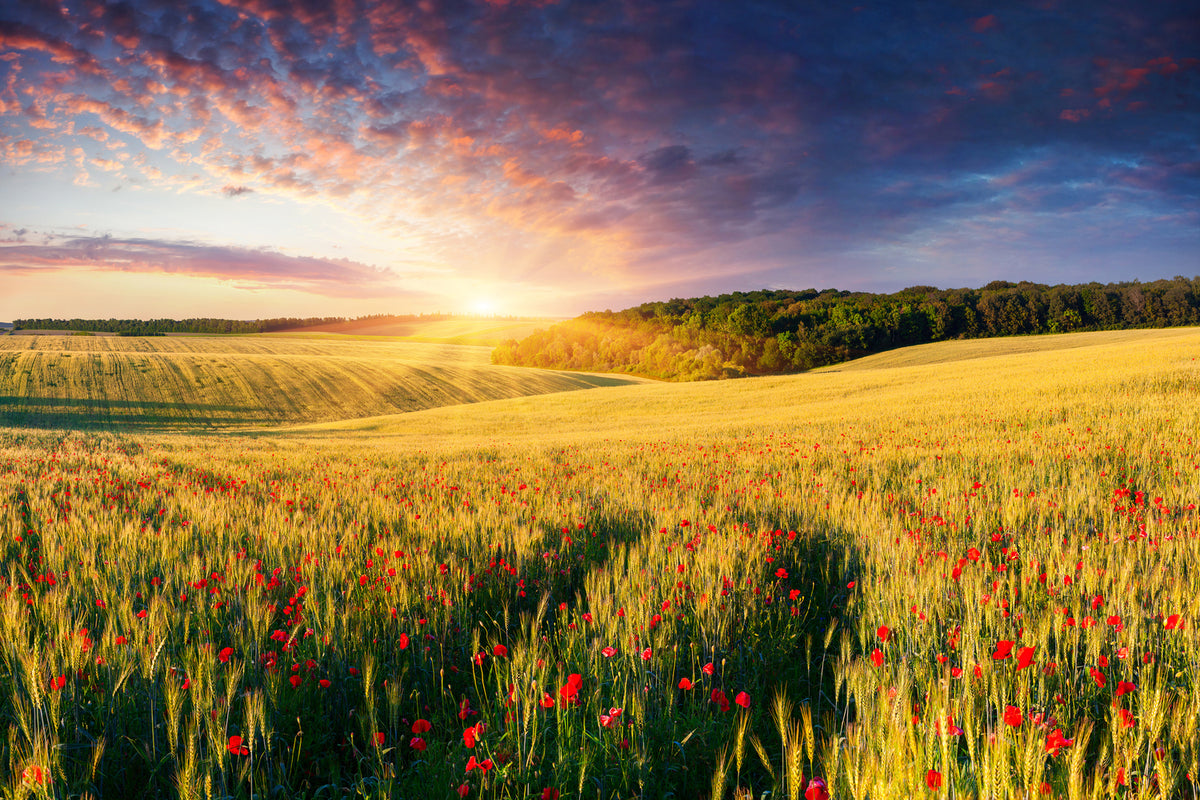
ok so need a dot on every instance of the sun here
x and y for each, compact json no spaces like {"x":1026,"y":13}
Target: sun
{"x":483,"y":306}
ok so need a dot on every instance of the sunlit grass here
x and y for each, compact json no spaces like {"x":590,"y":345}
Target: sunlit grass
{"x":224,"y":382}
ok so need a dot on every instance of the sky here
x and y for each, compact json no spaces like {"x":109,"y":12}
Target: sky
{"x":268,"y":158}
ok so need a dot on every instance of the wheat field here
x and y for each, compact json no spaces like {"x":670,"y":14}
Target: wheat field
{"x":196,"y":382}
{"x":965,"y":572}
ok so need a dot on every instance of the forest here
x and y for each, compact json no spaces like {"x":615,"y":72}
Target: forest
{"x":157,"y":327}
{"x":782,"y":331}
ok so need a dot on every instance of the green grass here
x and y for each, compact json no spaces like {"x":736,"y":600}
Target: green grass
{"x":223,"y":382}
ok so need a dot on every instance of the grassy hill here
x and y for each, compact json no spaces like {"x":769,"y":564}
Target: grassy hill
{"x":948,"y":382}
{"x":219,"y":382}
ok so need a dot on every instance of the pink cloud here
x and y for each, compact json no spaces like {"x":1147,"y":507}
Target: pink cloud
{"x":263,"y":268}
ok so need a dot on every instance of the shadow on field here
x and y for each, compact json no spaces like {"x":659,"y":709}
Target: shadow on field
{"x":88,"y":414}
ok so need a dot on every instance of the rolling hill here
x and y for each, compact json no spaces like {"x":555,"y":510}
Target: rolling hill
{"x":201,"y":382}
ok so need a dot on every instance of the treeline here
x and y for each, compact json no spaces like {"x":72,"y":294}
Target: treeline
{"x":780,"y":331}
{"x":160,"y":327}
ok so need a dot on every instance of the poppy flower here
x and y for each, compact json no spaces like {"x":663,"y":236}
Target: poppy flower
{"x":547,"y":701}
{"x":685,"y":683}
{"x":1003,"y":650}
{"x":817,"y":790}
{"x":295,"y":681}
{"x":1125,"y":687}
{"x":1025,"y":657}
{"x":224,"y":655}
{"x":1098,"y":677}
{"x":1013,"y":716}
{"x":500,"y":651}
{"x":933,"y":779}
{"x":470,"y":734}
{"x":884,"y":633}
{"x":707,"y":669}
{"x":417,"y":743}
{"x":1055,"y":741}
{"x":1173,"y":622}
{"x":235,"y":746}
{"x":719,"y":698}
{"x":403,"y":643}
{"x":609,"y":652}
{"x":781,"y":573}
{"x":877,"y":657}
{"x":324,"y":683}
{"x":464,"y":790}
{"x":549,"y":793}
{"x":742,"y":699}
{"x":646,"y":654}
{"x":421,"y":726}
{"x":570,"y":690}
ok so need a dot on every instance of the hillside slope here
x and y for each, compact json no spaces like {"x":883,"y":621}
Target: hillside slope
{"x":947,"y":384}
{"x":221,"y":382}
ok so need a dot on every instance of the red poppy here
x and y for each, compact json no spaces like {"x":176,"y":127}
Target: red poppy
{"x":1025,"y":657}
{"x":1055,"y":741}
{"x":464,"y":790}
{"x":719,"y":698}
{"x":646,"y":654}
{"x":417,"y":743}
{"x":1125,"y":687}
{"x":781,"y":573}
{"x":570,"y":690}
{"x":235,"y":746}
{"x":1013,"y":716}
{"x":817,"y":790}
{"x":549,"y":793}
{"x":379,"y":738}
{"x":324,"y":683}
{"x":1003,"y":650}
{"x":1173,"y":622}
{"x":469,"y":735}
{"x":884,"y":633}
{"x":685,"y":683}
{"x":403,"y":643}
{"x":933,"y":779}
{"x":609,"y":652}
{"x":421,"y":726}
{"x":707,"y":669}
{"x":1098,"y":677}
{"x":547,"y":700}
{"x":742,"y":699}
{"x":224,"y":655}
{"x":500,"y":651}
{"x":877,"y":657}
{"x":295,"y":681}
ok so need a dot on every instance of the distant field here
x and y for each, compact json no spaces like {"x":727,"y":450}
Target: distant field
{"x":967,"y":349}
{"x":943,"y":382}
{"x":483,"y":331}
{"x":201,"y":382}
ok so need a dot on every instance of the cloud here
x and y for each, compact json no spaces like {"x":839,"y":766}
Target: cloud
{"x":247,"y":267}
{"x":612,"y":135}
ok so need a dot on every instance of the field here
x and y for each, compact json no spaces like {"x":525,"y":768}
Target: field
{"x":196,"y":382}
{"x":480,"y":331}
{"x":960,"y":571}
